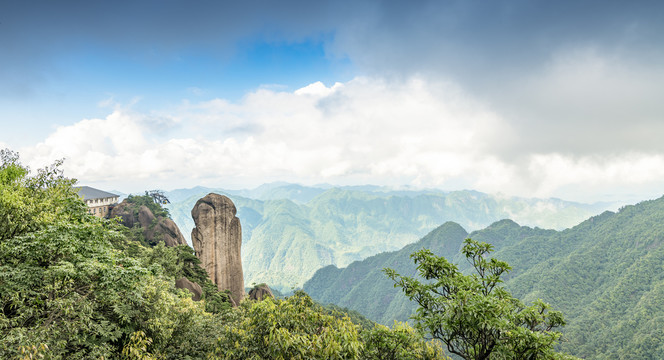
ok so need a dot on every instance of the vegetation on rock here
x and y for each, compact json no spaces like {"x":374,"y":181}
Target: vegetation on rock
{"x":147,"y":221}
{"x":153,"y":200}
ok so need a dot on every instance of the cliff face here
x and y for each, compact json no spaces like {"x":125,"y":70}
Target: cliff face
{"x":155,"y":229}
{"x":260,"y":292}
{"x":217,"y":240}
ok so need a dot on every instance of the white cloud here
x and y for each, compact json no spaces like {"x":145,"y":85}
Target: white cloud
{"x":551,"y":172}
{"x":367,"y":130}
{"x":318,"y":89}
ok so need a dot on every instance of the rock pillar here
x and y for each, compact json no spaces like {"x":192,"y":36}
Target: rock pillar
{"x":217,"y":239}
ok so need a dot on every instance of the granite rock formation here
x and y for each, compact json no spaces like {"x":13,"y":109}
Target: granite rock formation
{"x":195,"y":289}
{"x":217,"y":239}
{"x":124,"y":211}
{"x":260,"y":292}
{"x":170,"y":232}
{"x":155,"y":229}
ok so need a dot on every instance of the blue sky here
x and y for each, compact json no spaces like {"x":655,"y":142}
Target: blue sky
{"x":529,"y":98}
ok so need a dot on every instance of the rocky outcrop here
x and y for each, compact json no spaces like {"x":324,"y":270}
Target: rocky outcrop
{"x":217,"y":239}
{"x":170,"y":232}
{"x":159,"y":229}
{"x":195,"y":289}
{"x":126,"y":214}
{"x":145,"y":217}
{"x":155,"y":229}
{"x":260,"y":292}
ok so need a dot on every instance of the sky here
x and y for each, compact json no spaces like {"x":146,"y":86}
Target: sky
{"x":523,"y":98}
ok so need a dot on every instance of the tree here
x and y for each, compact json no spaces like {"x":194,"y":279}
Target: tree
{"x":474,"y":316}
{"x":150,"y":202}
{"x":158,"y":197}
{"x":295,"y":328}
{"x":30,"y":202}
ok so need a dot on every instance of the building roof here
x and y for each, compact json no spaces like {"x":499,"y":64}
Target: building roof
{"x":89,"y":193}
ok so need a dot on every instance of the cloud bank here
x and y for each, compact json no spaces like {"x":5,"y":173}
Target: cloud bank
{"x":368,"y":130}
{"x":536,"y":98}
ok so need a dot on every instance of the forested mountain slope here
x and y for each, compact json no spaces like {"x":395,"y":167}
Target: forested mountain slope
{"x":363,"y":285}
{"x":606,"y":275}
{"x":290,"y":231}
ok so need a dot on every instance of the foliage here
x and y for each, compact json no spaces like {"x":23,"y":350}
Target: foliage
{"x":294,"y":328}
{"x":471,"y":314}
{"x":137,"y":347}
{"x":30,"y":202}
{"x":354,"y":316}
{"x":64,"y":286}
{"x":180,"y":261}
{"x":147,"y":200}
{"x":158,"y":197}
{"x":298,"y":328}
{"x":72,"y":287}
{"x":401,"y":342}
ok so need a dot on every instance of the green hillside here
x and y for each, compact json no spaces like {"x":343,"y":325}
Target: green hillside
{"x":363,"y":285}
{"x":606,"y":275}
{"x":290,"y":231}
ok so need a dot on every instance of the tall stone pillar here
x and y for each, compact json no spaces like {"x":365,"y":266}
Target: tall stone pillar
{"x":217,"y":239}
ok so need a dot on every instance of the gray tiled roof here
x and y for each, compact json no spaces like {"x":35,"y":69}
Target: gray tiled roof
{"x":88,"y":193}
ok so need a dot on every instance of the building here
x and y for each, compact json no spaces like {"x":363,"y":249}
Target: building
{"x":99,"y":202}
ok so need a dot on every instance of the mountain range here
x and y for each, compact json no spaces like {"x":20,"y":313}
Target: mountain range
{"x":605,"y":274}
{"x":289,"y":231}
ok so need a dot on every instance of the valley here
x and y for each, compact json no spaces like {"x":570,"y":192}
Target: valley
{"x":289,"y":231}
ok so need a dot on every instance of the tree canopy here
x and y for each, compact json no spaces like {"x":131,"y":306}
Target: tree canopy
{"x":31,"y":202}
{"x":298,"y":328}
{"x":472,"y":314}
{"x":150,"y":202}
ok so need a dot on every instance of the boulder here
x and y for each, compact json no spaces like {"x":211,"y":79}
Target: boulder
{"x":217,"y":240}
{"x":260,"y":292}
{"x":145,"y":217}
{"x":194,"y":288}
{"x":170,"y":232}
{"x":126,"y":215}
{"x":154,"y":229}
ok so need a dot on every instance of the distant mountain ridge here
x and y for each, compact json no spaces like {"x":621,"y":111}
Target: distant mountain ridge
{"x":290,"y":231}
{"x":606,"y":275}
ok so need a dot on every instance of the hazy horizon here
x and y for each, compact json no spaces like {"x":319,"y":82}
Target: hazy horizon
{"x":612,"y":205}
